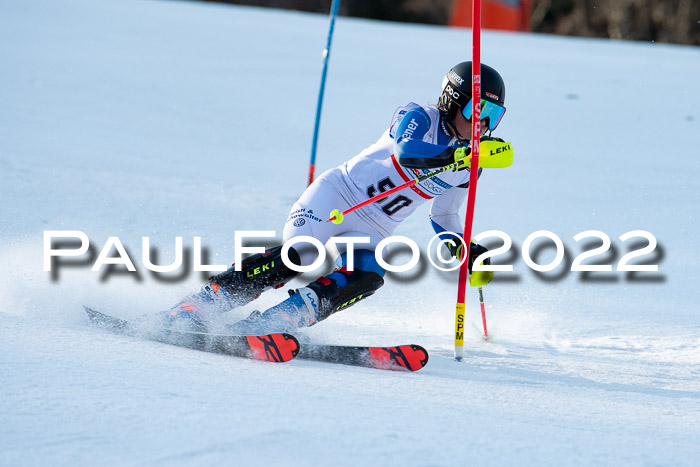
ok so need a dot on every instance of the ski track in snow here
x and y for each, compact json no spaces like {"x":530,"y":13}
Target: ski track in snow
{"x":165,"y":119}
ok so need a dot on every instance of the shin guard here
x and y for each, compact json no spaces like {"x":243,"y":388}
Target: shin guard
{"x":259,"y":272}
{"x":342,"y":289}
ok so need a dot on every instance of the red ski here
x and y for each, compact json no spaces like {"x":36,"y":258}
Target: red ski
{"x":403,"y":357}
{"x":278,"y":347}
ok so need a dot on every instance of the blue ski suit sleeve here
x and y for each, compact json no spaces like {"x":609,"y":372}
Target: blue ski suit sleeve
{"x":411,"y":151}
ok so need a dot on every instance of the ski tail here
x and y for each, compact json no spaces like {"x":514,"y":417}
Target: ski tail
{"x":273,"y":347}
{"x":402,"y":358}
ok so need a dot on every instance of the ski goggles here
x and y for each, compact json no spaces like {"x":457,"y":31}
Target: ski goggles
{"x":493,"y":112}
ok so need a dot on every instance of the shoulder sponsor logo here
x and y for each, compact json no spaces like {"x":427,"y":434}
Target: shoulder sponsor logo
{"x":408,"y":132}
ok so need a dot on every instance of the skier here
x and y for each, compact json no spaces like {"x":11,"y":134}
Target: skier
{"x":419,"y":138}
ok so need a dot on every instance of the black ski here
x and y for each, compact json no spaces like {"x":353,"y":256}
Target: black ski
{"x":402,"y":357}
{"x":278,"y":347}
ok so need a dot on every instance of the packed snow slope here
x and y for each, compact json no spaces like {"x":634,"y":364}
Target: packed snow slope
{"x":165,"y":119}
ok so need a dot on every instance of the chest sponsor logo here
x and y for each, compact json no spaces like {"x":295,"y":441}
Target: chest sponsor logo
{"x":431,"y":187}
{"x":300,"y":216}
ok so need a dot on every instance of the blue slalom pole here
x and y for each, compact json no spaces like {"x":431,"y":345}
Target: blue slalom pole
{"x":326,"y":55}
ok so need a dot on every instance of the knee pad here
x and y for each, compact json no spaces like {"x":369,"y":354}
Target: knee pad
{"x":258,"y":272}
{"x":342,"y":289}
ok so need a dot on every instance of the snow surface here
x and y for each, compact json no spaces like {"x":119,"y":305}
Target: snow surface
{"x":163,"y":119}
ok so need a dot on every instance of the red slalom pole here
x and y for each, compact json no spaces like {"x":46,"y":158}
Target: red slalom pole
{"x":483,"y":312}
{"x":473,"y":177}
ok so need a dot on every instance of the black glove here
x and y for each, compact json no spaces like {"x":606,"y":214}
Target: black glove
{"x":455,"y":246}
{"x":463,"y":154}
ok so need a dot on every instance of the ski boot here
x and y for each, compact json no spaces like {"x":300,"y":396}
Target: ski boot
{"x":232,"y":288}
{"x":299,"y":310}
{"x":315,"y":302}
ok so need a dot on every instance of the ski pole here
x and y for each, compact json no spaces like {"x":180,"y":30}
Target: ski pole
{"x":499,"y":156}
{"x":326,"y":55}
{"x":337,"y":216}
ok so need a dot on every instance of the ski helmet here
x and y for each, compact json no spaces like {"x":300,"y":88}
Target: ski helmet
{"x":457,"y":92}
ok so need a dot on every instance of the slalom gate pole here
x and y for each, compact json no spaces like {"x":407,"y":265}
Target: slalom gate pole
{"x":473,"y":177}
{"x":326,"y":55}
{"x":483,"y":312}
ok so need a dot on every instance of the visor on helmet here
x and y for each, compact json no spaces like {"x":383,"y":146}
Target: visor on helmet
{"x":493,"y":112}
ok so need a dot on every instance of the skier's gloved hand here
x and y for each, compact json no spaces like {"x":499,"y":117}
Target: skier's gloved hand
{"x":475,"y":251}
{"x":463,"y":154}
{"x":478,"y":278}
{"x":455,"y":246}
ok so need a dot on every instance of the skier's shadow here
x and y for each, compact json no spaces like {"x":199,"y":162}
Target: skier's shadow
{"x":402,"y":255}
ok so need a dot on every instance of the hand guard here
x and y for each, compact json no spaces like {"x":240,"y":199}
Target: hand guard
{"x":478,"y":278}
{"x":494,"y":153}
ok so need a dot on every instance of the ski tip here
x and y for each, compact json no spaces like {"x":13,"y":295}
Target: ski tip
{"x":274,"y":347}
{"x":100,"y":319}
{"x":93,"y":315}
{"x":403,"y":358}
